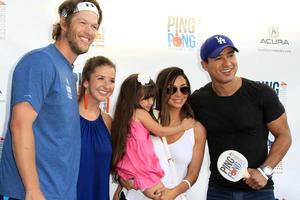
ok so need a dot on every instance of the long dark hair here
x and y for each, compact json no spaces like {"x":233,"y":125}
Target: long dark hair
{"x":166,"y":78}
{"x":89,"y":68}
{"x":131,"y":92}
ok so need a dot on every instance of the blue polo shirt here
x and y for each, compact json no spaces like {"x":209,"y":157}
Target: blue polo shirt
{"x":44,"y":78}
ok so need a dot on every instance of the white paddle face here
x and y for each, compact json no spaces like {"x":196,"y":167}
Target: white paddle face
{"x":232,"y":165}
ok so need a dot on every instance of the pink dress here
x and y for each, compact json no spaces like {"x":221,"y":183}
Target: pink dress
{"x":140,"y":161}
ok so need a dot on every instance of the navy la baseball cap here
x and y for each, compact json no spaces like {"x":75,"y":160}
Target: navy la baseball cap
{"x":214,"y":45}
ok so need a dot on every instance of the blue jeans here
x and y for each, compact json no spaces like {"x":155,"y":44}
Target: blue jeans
{"x":214,"y":193}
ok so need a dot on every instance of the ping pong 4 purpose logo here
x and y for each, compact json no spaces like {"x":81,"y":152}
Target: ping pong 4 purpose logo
{"x":281,"y":89}
{"x":231,"y":165}
{"x":181,"y":32}
{"x":278,"y":86}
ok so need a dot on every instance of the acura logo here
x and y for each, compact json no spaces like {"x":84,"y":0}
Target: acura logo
{"x":273,"y":32}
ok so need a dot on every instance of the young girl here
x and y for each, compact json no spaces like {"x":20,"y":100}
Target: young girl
{"x":133,"y":153}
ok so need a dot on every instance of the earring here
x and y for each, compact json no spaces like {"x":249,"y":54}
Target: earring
{"x":107,"y":105}
{"x":85,"y":100}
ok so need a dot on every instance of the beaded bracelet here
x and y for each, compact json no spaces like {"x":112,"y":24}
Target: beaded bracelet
{"x":188,"y":182}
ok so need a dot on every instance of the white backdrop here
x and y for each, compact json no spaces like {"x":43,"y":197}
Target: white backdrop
{"x":139,"y":36}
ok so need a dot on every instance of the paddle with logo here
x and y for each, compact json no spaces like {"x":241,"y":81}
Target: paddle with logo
{"x":232,"y":165}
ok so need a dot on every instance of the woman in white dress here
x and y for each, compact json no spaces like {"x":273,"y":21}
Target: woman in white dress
{"x":186,"y":148}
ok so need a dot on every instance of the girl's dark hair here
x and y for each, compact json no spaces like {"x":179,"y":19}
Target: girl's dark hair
{"x":131,"y":93}
{"x":68,"y":7}
{"x":166,"y":78}
{"x":89,"y":68}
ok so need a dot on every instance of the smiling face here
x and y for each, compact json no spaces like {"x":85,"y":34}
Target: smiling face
{"x":178,"y":94}
{"x":101,"y":84}
{"x":82,"y":31}
{"x":147,"y":103}
{"x":223,"y":68}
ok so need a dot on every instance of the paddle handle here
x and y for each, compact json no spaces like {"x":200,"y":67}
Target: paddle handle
{"x":246,"y":174}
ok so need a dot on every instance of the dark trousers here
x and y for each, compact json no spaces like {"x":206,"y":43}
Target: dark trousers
{"x":214,"y":193}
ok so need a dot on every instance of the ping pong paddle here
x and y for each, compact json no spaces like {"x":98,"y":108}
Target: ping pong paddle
{"x":232,"y":165}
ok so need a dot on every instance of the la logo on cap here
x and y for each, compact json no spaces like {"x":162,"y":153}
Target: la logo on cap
{"x":214,"y":45}
{"x":220,"y":40}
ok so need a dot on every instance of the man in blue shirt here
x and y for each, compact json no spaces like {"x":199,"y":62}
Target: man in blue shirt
{"x":41,"y":153}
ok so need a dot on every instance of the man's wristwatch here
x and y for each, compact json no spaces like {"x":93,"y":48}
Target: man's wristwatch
{"x":266,"y":170}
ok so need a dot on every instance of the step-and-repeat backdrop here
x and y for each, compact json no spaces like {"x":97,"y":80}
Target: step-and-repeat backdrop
{"x":150,"y":35}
